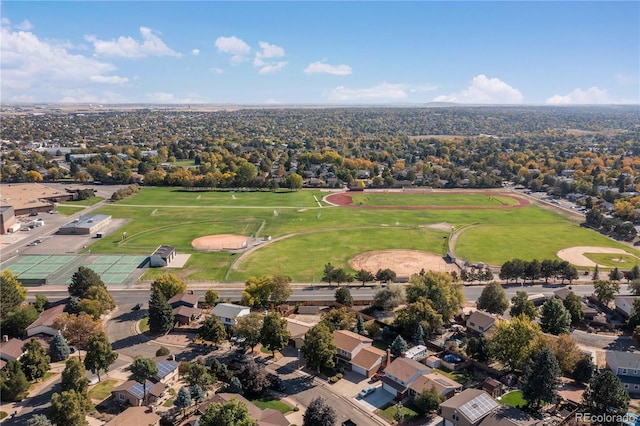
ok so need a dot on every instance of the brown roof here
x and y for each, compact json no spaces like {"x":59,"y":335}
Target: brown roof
{"x":405,"y":368}
{"x":368,"y":357}
{"x":562,"y":293}
{"x":298,"y":329}
{"x":12,"y":348}
{"x":348,"y":340}
{"x":481,"y":319}
{"x":135,"y":416}
{"x":490,"y":384}
{"x":473,"y":404}
{"x":186,"y":311}
{"x":191,"y":299}
{"x":48,"y":317}
{"x":442,"y":383}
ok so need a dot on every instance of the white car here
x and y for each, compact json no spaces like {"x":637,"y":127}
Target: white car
{"x":366,"y":391}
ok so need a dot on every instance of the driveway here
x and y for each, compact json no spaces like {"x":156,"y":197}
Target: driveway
{"x":375,"y":400}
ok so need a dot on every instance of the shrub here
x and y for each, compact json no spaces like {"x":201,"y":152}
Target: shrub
{"x":163,"y":351}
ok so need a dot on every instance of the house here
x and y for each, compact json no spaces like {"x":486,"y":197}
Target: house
{"x":132,"y":393}
{"x":468,"y":408}
{"x":509,"y":416}
{"x":167,"y":371}
{"x":400,"y":374}
{"x":356,"y":353}
{"x":625,"y":365}
{"x":445,"y":386}
{"x":44,"y":323}
{"x":229,"y":313}
{"x":11,"y":349}
{"x":162,"y":256}
{"x":493,"y":387}
{"x":481,"y":322}
{"x":433,"y":361}
{"x":562,"y":293}
{"x":183,"y":315}
{"x":268,"y":417}
{"x":189,"y":300}
{"x":135,"y":416}
{"x":624,"y":305}
{"x":298,"y":330}
{"x":185,"y":307}
{"x":418,"y":352}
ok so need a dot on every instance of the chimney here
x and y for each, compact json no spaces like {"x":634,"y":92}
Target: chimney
{"x":5,"y":338}
{"x":388,"y":360}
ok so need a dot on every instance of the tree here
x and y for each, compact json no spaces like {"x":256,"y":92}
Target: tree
{"x":16,"y":322}
{"x":41,"y":303}
{"x":39,"y":420}
{"x":596,"y":274}
{"x":12,"y":293}
{"x":583,"y":370}
{"x":13,"y":382}
{"x":634,"y":316}
{"x":573,"y":304}
{"x":360,"y":328}
{"x":343,"y":296}
{"x":253,"y":377}
{"x":102,"y":298}
{"x":555,"y":318}
{"x":100,"y":355}
{"x":318,"y":348}
{"x":230,"y":413}
{"x":249,"y":327}
{"x":197,"y":394}
{"x":319,"y":413}
{"x":364,"y":276}
{"x":260,"y":292}
{"x":74,"y":380}
{"x":493,"y":299}
{"x":389,"y":297}
{"x":340,"y":319}
{"x":566,"y":351}
{"x":281,"y":289}
{"x":428,"y":401}
{"x":605,"y":395}
{"x":169,"y":285}
{"x":521,"y":305}
{"x":605,"y":291}
{"x":59,"y":350}
{"x":183,"y":400}
{"x":477,"y":349}
{"x":420,"y":312}
{"x":198,"y":374}
{"x":294,"y":181}
{"x":328,"y":273}
{"x":514,"y":341}
{"x":163,"y":351}
{"x":274,"y":334}
{"x":35,"y":361}
{"x":418,"y":336}
{"x":142,"y":369}
{"x":235,"y":386}
{"x":399,"y":346}
{"x":83,"y":280}
{"x":444,"y":295}
{"x":161,"y":317}
{"x":67,"y":408}
{"x":213,"y":330}
{"x":541,"y":378}
{"x":211,"y":297}
{"x":76,"y":329}
{"x":385,"y":275}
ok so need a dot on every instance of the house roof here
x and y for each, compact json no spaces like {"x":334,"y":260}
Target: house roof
{"x":186,"y":311}
{"x":298,"y":329}
{"x":405,"y":368}
{"x":619,"y":359}
{"x":509,"y":416}
{"x":165,"y":368}
{"x":228,"y":310}
{"x":136,"y":389}
{"x":562,"y":293}
{"x":348,"y":340}
{"x":490,"y":384}
{"x":191,"y":299}
{"x":135,"y":416}
{"x":48,"y":317}
{"x":441,"y":383}
{"x":164,"y":251}
{"x":12,"y":348}
{"x":481,"y":319}
{"x":473,"y":404}
{"x":368,"y":357}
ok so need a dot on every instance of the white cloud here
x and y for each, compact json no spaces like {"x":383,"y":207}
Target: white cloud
{"x":84,"y":96}
{"x":233,"y":46}
{"x":483,"y":90}
{"x":128,"y":47}
{"x":110,"y":79}
{"x":195,"y":52}
{"x":381,"y":92}
{"x":593,"y":95}
{"x":324,"y":68}
{"x":272,"y":67}
{"x":216,"y":70}
{"x":25,"y":25}
{"x":170,"y":98}
{"x":269,"y":51}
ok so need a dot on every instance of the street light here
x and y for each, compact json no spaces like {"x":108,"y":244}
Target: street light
{"x":298,"y":357}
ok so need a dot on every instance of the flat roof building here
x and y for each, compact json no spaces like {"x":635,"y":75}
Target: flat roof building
{"x":85,"y":225}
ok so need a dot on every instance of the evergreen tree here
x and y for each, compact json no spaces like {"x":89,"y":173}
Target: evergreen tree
{"x":67,"y":408}
{"x":12,"y":293}
{"x":161,"y":317}
{"x":319,"y":413}
{"x":274,"y":334}
{"x":35,"y":361}
{"x":183,"y":400}
{"x":584,"y":369}
{"x":343,"y":296}
{"x":235,"y":386}
{"x":541,"y":378}
{"x":13,"y":382}
{"x":605,"y":395}
{"x":555,"y":318}
{"x":493,"y":299}
{"x":213,"y":330}
{"x":418,"y":337}
{"x":100,"y":355}
{"x":83,"y":280}
{"x":59,"y":350}
{"x":197,"y":394}
{"x":399,"y":346}
{"x":360,"y":326}
{"x":596,"y":274}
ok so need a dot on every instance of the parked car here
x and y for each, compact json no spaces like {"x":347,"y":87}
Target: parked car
{"x":367,"y":391}
{"x":376,"y":377}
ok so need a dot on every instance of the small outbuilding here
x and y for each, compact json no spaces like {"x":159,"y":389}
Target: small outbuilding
{"x":163,"y":255}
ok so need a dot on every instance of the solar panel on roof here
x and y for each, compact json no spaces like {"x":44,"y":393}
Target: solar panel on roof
{"x":164,"y":368}
{"x":137,"y":390}
{"x":478,"y":407}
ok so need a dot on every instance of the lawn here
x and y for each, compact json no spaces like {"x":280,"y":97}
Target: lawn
{"x":102,"y":390}
{"x":68,"y":210}
{"x":432,"y":199}
{"x":462,"y":377}
{"x":144,"y":325}
{"x":267,"y":402}
{"x":390,"y":412}
{"x":620,"y":261}
{"x":514,"y":399}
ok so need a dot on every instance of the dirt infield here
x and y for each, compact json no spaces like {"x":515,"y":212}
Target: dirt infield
{"x":402,"y":262}
{"x":575,"y":255}
{"x":220,"y":242}
{"x":345,"y":200}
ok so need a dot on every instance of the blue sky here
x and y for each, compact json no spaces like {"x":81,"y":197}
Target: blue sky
{"x":333,"y":52}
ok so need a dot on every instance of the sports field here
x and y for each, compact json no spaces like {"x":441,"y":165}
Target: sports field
{"x":489,"y":227}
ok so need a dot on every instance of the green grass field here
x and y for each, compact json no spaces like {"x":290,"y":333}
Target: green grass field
{"x":432,"y":199}
{"x":513,"y":399}
{"x":276,"y":404}
{"x":305,"y":236}
{"x":102,"y":390}
{"x":620,"y":261}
